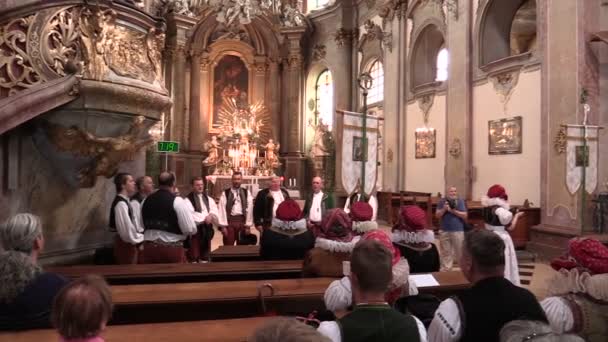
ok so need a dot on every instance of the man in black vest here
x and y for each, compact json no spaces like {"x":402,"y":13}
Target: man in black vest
{"x":205,"y":213}
{"x":124,"y":220}
{"x":235,"y":211}
{"x":479,"y":313}
{"x":167,"y":222}
{"x":372,"y":318}
{"x":266,"y":203}
{"x":317,"y":203}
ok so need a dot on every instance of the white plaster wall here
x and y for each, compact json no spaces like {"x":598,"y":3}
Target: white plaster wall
{"x":426,"y":175}
{"x":518,"y":173}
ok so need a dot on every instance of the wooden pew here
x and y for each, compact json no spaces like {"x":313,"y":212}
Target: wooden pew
{"x":237,"y":299}
{"x":210,"y":331}
{"x":182,"y":273}
{"x":236,"y":253}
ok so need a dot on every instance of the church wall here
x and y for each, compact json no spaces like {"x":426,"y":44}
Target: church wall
{"x":426,"y":175}
{"x":518,"y":173}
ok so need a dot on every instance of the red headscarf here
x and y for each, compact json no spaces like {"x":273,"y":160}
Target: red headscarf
{"x":336,"y":226}
{"x":585,"y":253}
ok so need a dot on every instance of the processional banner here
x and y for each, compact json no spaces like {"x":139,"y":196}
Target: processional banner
{"x":581,"y":155}
{"x":354,"y":153}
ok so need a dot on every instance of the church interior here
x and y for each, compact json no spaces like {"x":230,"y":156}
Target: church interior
{"x":439,"y":115}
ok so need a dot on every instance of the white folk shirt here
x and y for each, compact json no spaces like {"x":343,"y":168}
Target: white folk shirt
{"x":200,"y":217}
{"x":130,"y":231}
{"x":315,"y":214}
{"x":446,"y":325}
{"x":331,"y":329}
{"x":278,"y":199}
{"x":184,"y":219}
{"x":223,"y":216}
{"x":373,"y":202}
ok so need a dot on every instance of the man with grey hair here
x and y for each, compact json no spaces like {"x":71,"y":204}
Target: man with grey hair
{"x":317,"y":203}
{"x":266,"y":203}
{"x":452,"y":214}
{"x":26,"y":293}
{"x":479,"y":313}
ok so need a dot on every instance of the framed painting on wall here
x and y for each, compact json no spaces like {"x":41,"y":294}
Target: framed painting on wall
{"x":425,"y":143}
{"x":230,"y":80}
{"x":505,"y":136}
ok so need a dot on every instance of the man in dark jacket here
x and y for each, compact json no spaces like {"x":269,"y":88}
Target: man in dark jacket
{"x":480,"y":312}
{"x":266,"y":203}
{"x":317,"y":203}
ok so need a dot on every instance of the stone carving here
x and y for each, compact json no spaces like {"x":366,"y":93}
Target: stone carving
{"x":389,"y":155}
{"x":16,"y":70}
{"x":425,"y":102}
{"x":321,"y":146}
{"x":106,"y":152}
{"x":62,"y":43}
{"x":181,"y":7}
{"x":370,"y":3}
{"x":392,"y":9}
{"x":374,"y":32}
{"x":455,"y":148}
{"x":234,"y":32}
{"x":504,"y":84}
{"x":124,"y":51}
{"x":342,"y":36}
{"x":560,"y":141}
{"x":451,"y":6}
{"x":318,"y":52}
{"x":291,"y":16}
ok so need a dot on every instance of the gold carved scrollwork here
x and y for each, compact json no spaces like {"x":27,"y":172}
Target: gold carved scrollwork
{"x":560,"y":141}
{"x":61,"y":42}
{"x":106,"y":152}
{"x":16,"y":70}
{"x":342,"y":36}
{"x":455,"y":148}
{"x":425,"y":102}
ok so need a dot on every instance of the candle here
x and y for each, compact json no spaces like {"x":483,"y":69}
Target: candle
{"x":294,"y":182}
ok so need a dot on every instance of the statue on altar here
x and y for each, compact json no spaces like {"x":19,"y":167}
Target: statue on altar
{"x":212,"y":147}
{"x":271,"y":153}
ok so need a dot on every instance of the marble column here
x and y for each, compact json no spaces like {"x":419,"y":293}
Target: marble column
{"x":292,"y":120}
{"x":459,"y":99}
{"x":197,"y":132}
{"x":569,"y":65}
{"x":273,"y":98}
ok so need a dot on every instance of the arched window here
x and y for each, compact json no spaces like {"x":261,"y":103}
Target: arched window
{"x":443,"y":61}
{"x":324,"y":97}
{"x":376,"y":93}
{"x":425,"y":54}
{"x":312,"y":5}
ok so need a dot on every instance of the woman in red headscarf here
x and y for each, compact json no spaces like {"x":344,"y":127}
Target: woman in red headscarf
{"x":415,"y":241}
{"x":499,"y":219}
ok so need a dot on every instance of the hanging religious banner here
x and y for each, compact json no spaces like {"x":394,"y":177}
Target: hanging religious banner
{"x":358,"y":148}
{"x":581,"y":157}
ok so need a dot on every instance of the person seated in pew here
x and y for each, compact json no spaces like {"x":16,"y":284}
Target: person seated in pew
{"x":415,"y":241}
{"x":338,"y":296}
{"x":372,"y":318}
{"x":334,"y":241}
{"x":357,"y":197}
{"x":361,"y":214}
{"x":26,"y":292}
{"x":287,"y":329}
{"x":578,"y":294}
{"x":205,"y":214}
{"x":167,"y":223}
{"x":82,"y":309}
{"x":125,"y":215}
{"x":287,"y":238}
{"x":522,"y":330}
{"x":478,"y":313}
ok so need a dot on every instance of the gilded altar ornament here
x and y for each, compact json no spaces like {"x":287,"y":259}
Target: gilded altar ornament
{"x":243,"y":129}
{"x":106,"y":152}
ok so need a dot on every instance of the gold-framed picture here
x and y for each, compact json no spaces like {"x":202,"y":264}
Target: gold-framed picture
{"x":505,"y":136}
{"x":425,"y":143}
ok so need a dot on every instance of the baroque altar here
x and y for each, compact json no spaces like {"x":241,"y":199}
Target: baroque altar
{"x":244,"y":141}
